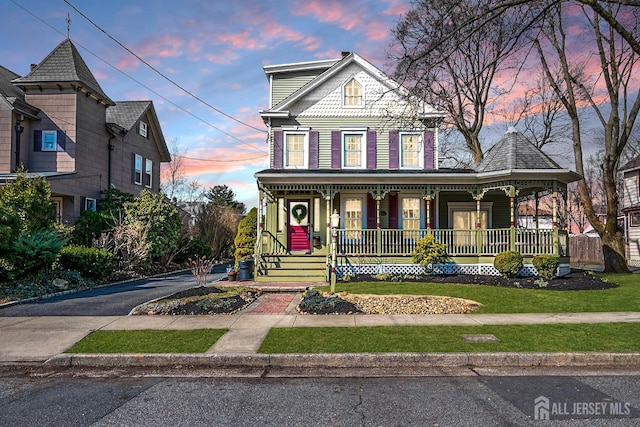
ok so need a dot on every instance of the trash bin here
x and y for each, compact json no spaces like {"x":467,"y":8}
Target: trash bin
{"x":246,"y":269}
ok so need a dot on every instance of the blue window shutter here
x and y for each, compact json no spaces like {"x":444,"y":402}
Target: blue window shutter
{"x":62,"y":140}
{"x":429,"y":157}
{"x":336,"y":149}
{"x":37,"y":140}
{"x":394,"y":137}
{"x":278,"y":149}
{"x":371,"y":149}
{"x":314,"y":147}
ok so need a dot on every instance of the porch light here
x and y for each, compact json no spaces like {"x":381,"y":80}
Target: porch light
{"x":335,"y":219}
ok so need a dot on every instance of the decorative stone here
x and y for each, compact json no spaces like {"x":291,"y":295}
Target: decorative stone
{"x":480,"y":338}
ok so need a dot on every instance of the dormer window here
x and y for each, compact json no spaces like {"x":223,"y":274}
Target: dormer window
{"x":352,"y":94}
{"x":143,"y":129}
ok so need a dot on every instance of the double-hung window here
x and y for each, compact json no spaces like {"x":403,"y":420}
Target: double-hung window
{"x":148,"y":172}
{"x":410,"y":213}
{"x":296,"y":150}
{"x":49,"y":140}
{"x":410,"y":149}
{"x":353,"y":217}
{"x":354,"y":149}
{"x":137,"y":173}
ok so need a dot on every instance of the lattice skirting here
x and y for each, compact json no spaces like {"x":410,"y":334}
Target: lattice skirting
{"x":480,"y":269}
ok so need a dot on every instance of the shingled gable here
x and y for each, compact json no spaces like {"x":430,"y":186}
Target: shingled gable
{"x":126,"y":114}
{"x":64,"y":65}
{"x":515,"y":152}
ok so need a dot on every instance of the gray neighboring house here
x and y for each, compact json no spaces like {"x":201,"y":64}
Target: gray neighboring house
{"x":630,"y":206}
{"x":58,"y":123}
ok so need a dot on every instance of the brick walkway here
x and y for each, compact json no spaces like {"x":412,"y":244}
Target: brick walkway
{"x":274,"y":303}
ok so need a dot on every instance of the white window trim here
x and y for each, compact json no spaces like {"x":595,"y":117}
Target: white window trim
{"x":363,"y":209}
{"x":143,"y":129}
{"x":305,"y":154}
{"x":634,"y":215}
{"x":148,"y":162}
{"x":420,"y":150}
{"x":55,"y":140}
{"x":470,"y":207}
{"x":363,"y":148}
{"x":362,"y":94}
{"x":90,"y":204}
{"x":58,"y":205}
{"x":135,"y":171}
{"x":420,"y":210}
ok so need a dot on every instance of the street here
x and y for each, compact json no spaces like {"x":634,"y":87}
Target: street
{"x":116,"y":300}
{"x":601,"y":400}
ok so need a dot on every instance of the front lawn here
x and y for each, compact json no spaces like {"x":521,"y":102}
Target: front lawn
{"x":599,"y":337}
{"x":626,"y":297}
{"x":148,"y":341}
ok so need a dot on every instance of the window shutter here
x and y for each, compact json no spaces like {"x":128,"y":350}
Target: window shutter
{"x":336,"y":149}
{"x":277,"y":149}
{"x":133,"y":168}
{"x":62,"y":140}
{"x":314,"y":147}
{"x":83,"y":203}
{"x":37,"y":140}
{"x":429,"y":157}
{"x":394,"y":136}
{"x":393,"y":211}
{"x":371,"y":212}
{"x":371,"y":149}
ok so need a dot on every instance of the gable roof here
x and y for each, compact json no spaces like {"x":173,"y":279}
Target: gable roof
{"x":7,"y":89}
{"x":631,"y":165}
{"x":515,"y":152}
{"x":333,"y":68}
{"x":64,"y":65}
{"x":125,"y":114}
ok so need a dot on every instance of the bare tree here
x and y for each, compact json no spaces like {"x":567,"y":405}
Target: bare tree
{"x":173,"y":177}
{"x":454,"y":66}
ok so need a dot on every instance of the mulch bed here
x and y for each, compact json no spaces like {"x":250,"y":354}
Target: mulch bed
{"x":574,"y":281}
{"x":200,"y":301}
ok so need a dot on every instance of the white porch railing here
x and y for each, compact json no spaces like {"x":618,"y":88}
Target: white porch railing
{"x":384,"y":242}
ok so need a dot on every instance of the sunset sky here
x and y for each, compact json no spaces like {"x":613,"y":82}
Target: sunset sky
{"x":213,"y":49}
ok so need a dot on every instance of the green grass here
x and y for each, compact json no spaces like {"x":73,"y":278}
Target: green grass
{"x":626,"y":297}
{"x":148,"y":341}
{"x":607,"y":337}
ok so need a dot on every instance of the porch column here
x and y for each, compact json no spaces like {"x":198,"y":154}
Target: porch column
{"x":378,"y":230}
{"x":554,"y":221}
{"x":428,"y":199}
{"x":478,"y":225}
{"x":327,"y":200}
{"x":512,"y":222}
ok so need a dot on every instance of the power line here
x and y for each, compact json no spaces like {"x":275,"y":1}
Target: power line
{"x":142,"y":84}
{"x":160,"y":73}
{"x":217,"y":161}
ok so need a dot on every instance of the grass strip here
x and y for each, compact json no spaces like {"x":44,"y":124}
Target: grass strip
{"x":626,"y":297}
{"x":596,"y":337}
{"x":148,"y":341}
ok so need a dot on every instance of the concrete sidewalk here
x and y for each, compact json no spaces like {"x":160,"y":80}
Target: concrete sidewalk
{"x":39,"y":339}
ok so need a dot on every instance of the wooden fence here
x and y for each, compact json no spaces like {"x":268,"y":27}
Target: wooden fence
{"x":585,"y":250}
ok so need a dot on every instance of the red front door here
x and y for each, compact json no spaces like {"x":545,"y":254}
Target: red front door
{"x":298,"y":226}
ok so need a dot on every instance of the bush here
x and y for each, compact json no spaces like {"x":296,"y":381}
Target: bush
{"x":37,"y":251}
{"x":193,"y":248}
{"x":429,"y":251}
{"x":245,"y":240}
{"x":508,"y":263}
{"x":94,"y":263}
{"x":89,"y":226}
{"x":546,"y":265}
{"x":29,"y":200}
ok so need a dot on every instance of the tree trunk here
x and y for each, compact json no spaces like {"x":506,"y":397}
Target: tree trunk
{"x":613,"y":249}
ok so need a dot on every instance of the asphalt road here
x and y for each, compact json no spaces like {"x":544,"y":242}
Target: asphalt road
{"x":420,"y":401}
{"x":116,"y":300}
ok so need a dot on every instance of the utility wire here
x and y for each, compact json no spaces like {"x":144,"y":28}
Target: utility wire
{"x":160,"y":73}
{"x":143,"y":85}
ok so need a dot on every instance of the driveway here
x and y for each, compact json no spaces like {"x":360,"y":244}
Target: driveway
{"x":116,"y":300}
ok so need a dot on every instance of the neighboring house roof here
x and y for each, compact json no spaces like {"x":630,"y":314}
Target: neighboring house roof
{"x":126,"y":114}
{"x":64,"y":65}
{"x":515,"y":152}
{"x":7,"y":89}
{"x":333,"y":67}
{"x":631,"y":165}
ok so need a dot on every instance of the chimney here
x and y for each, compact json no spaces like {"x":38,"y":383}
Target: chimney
{"x":345,"y":54}
{"x":33,"y":66}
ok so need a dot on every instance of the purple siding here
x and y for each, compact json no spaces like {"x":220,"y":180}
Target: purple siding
{"x":393,"y":149}
{"x":314,"y":147}
{"x":336,"y":149}
{"x":278,"y":149}
{"x":371,"y":149}
{"x":429,"y":157}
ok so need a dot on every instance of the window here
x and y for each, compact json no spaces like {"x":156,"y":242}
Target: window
{"x":353,"y":216}
{"x":143,"y":129}
{"x":354,"y":151}
{"x":49,"y":140}
{"x":282,"y":215}
{"x":137,"y":166}
{"x":352,"y":94}
{"x":410,"y":147}
{"x":295,"y":150}
{"x":90,"y":204}
{"x":410,"y":213}
{"x":634,"y":219}
{"x":57,"y":208}
{"x":148,"y":172}
{"x":316,"y":214}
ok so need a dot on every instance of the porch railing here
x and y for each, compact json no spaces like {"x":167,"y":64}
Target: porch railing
{"x":270,"y":245}
{"x":384,"y":242}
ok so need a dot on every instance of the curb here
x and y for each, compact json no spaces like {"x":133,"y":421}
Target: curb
{"x":347,"y":360}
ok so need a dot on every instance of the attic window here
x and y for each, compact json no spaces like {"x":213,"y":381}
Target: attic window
{"x":352,"y":94}
{"x":143,"y":129}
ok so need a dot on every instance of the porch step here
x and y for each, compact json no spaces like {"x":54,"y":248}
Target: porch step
{"x":292,"y":268}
